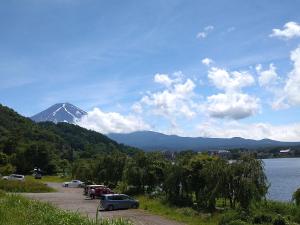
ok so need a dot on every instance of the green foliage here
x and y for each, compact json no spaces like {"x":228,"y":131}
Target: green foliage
{"x":25,"y":144}
{"x":262,"y":218}
{"x":24,"y":186}
{"x":296,"y":197}
{"x":279,"y":220}
{"x":16,"y":210}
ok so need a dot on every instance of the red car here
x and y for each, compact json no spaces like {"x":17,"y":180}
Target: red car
{"x":99,"y":191}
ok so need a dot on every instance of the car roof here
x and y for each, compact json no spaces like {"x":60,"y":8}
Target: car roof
{"x":96,"y":185}
{"x":113,"y":194}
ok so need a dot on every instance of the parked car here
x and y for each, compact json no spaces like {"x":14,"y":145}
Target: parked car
{"x":88,"y":188}
{"x":14,"y":177}
{"x":37,"y":176}
{"x":73,"y":183}
{"x":117,"y":201}
{"x":99,"y":191}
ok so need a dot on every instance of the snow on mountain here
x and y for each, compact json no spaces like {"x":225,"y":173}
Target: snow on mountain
{"x":60,"y":112}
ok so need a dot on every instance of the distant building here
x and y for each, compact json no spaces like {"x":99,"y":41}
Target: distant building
{"x":285,"y":151}
{"x":225,"y":154}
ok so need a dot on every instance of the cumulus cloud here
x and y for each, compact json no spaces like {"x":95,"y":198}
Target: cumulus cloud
{"x":207,"y":61}
{"x":290,"y":30}
{"x":292,"y":86}
{"x":232,"y":103}
{"x":267,"y":77}
{"x":163,"y":79}
{"x":111,"y":122}
{"x":289,"y":94}
{"x":230,"y":81}
{"x":205,"y":32}
{"x":287,"y":132}
{"x":174,"y":100}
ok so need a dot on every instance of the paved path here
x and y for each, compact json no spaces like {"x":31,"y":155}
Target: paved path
{"x":74,"y":200}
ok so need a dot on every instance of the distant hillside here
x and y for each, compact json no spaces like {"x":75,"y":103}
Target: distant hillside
{"x":149,"y":140}
{"x":26,"y":144}
{"x":60,"y":112}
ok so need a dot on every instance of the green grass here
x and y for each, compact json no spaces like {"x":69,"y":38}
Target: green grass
{"x":184,"y":215}
{"x":260,"y":213}
{"x":56,"y":179}
{"x":17,"y":210}
{"x":24,"y":186}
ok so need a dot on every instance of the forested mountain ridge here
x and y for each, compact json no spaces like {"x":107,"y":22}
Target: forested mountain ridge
{"x":25,"y":144}
{"x":149,"y":141}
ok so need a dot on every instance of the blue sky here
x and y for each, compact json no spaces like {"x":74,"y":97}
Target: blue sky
{"x":139,"y":63}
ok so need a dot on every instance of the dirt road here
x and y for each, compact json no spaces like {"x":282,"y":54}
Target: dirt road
{"x":73,"y":199}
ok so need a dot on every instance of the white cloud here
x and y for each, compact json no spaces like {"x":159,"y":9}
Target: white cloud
{"x":290,"y":30}
{"x":175,"y":100}
{"x":163,"y":79}
{"x":233,"y":81}
{"x":207,"y":61}
{"x":232,"y":105}
{"x":287,"y":132}
{"x":205,"y":32}
{"x":292,"y":86}
{"x":267,"y":77}
{"x":111,"y":122}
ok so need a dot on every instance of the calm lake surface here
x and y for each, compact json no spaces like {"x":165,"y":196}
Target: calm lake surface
{"x":284,"y":176}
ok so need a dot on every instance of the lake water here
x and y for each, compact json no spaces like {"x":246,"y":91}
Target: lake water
{"x":284,"y":176}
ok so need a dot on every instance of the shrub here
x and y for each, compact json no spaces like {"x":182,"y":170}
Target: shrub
{"x":237,"y":222}
{"x":2,"y":193}
{"x":296,"y":197}
{"x":229,"y":217}
{"x":279,"y":220}
{"x":187,"y":211}
{"x":262,"y":218}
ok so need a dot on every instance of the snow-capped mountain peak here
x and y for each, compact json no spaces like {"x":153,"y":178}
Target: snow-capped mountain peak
{"x":60,"y":112}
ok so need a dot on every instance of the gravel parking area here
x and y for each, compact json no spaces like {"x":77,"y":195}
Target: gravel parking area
{"x":73,"y":199}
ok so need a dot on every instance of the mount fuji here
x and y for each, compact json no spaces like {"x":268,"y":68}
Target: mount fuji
{"x":60,"y":112}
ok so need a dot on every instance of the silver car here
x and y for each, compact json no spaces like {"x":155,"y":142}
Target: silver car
{"x":117,"y":201}
{"x":14,"y":177}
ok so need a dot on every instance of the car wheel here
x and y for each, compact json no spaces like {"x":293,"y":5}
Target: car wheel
{"x":110,"y":208}
{"x":66,"y":185}
{"x":134,"y":206}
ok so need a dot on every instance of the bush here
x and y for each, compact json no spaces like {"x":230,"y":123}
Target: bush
{"x":296,"y":197}
{"x":187,"y":211}
{"x":237,"y":222}
{"x":279,"y":220}
{"x":262,"y":218}
{"x":229,"y":217}
{"x":2,"y":193}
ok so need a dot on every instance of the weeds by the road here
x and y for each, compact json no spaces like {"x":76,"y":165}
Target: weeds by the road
{"x":17,"y":210}
{"x":24,"y":186}
{"x":56,"y":179}
{"x":185,"y":215}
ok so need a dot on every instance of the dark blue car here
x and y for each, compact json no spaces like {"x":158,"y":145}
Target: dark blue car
{"x":117,"y":201}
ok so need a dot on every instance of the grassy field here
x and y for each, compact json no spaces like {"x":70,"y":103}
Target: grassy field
{"x":24,"y":186}
{"x":184,"y":215}
{"x":267,"y":213}
{"x":56,"y":179}
{"x":17,"y":210}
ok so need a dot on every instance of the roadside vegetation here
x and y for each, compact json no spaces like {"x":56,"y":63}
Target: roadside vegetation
{"x":265,"y":212}
{"x":17,"y":210}
{"x":56,"y":179}
{"x":24,"y":186}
